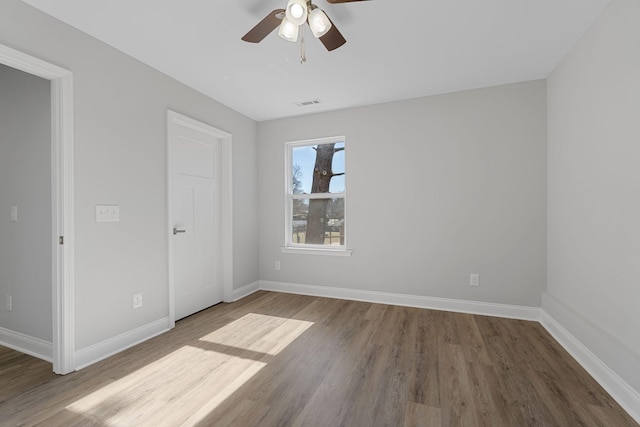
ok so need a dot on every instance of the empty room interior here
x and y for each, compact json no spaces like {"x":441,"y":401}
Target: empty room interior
{"x":338,"y":212}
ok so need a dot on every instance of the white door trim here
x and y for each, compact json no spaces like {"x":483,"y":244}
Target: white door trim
{"x":62,"y":200}
{"x":226,"y":203}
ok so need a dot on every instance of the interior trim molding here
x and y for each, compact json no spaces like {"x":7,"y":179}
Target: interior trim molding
{"x":419,"y":301}
{"x":104,"y":349}
{"x":35,"y":347}
{"x":619,"y":389}
{"x":246,"y":290}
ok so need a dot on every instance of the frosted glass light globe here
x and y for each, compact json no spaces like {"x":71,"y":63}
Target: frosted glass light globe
{"x":319,"y":23}
{"x":288,"y":30}
{"x":296,"y":11}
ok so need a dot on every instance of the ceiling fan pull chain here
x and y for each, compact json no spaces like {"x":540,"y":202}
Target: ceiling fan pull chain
{"x":303,"y":56}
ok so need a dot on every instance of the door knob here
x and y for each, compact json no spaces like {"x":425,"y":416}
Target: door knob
{"x":176,"y":231}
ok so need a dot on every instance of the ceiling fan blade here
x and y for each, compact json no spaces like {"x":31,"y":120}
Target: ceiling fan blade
{"x":333,"y":39}
{"x":264,"y":27}
{"x":343,"y":1}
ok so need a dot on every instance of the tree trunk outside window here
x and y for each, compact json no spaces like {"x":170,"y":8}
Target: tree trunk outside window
{"x":322,"y":174}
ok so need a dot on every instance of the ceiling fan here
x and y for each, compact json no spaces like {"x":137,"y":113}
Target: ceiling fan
{"x":291,"y":19}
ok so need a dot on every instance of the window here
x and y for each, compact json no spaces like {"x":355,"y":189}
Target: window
{"x":316,"y":195}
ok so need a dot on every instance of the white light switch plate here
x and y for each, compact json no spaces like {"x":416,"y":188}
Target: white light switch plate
{"x":14,"y":213}
{"x":107,"y":213}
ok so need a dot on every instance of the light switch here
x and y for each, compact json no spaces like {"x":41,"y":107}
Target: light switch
{"x":14,"y":213}
{"x":107,"y":213}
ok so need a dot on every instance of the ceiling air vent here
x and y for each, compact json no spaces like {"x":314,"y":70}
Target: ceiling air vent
{"x":307,"y":103}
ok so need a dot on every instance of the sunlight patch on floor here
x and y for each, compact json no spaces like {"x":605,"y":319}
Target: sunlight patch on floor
{"x":186,"y":385}
{"x":259,"y":333}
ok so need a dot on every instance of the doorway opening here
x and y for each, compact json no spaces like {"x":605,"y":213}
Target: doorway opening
{"x":62,"y":207}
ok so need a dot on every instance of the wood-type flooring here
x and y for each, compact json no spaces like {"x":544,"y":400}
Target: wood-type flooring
{"x":275,"y":359}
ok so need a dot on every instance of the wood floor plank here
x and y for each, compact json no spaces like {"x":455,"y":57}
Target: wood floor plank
{"x":472,"y":341}
{"x":490,"y":404}
{"x":376,"y":312}
{"x":20,"y":371}
{"x":457,"y":403}
{"x":447,"y":328}
{"x":423,"y":379}
{"x":580,"y":387}
{"x":417,"y":415}
{"x":488,"y":326}
{"x":606,"y":416}
{"x":388,"y":382}
{"x":345,"y":381}
{"x":525,"y":406}
{"x":276,"y":359}
{"x":514,"y":334}
{"x":244,"y":413}
{"x":555,"y":398}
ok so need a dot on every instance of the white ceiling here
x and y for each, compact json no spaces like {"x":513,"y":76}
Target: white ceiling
{"x":396,"y":49}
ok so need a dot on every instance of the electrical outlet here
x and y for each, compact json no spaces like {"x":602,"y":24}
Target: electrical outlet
{"x":277,"y":266}
{"x":9,"y":303}
{"x":137,"y":300}
{"x":474,"y":280}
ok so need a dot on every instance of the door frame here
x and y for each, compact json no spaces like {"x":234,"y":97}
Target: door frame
{"x":225,"y":248}
{"x":62,"y":207}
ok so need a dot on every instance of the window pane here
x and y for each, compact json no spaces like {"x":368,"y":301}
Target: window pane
{"x":337,"y":182}
{"x":318,"y":222}
{"x":329,"y":161}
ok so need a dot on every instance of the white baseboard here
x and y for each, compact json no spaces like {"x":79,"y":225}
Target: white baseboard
{"x":245,"y":290}
{"x":26,"y":344}
{"x":433,"y":303}
{"x":619,"y":389}
{"x":97,"y":352}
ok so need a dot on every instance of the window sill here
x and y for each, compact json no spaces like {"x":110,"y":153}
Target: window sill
{"x":316,"y":251}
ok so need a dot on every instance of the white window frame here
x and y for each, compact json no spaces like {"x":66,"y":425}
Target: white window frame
{"x":299,"y":248}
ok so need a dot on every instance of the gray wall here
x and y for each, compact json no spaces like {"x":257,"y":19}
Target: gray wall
{"x":437,"y":188}
{"x":120,"y":143}
{"x":594,"y":190}
{"x":25,"y":182}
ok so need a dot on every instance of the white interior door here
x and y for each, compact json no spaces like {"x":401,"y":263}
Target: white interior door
{"x":194,"y":159}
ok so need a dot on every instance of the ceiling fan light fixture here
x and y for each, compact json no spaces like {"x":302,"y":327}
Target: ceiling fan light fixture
{"x":319,"y":23}
{"x":297,"y":11}
{"x":288,"y":30}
